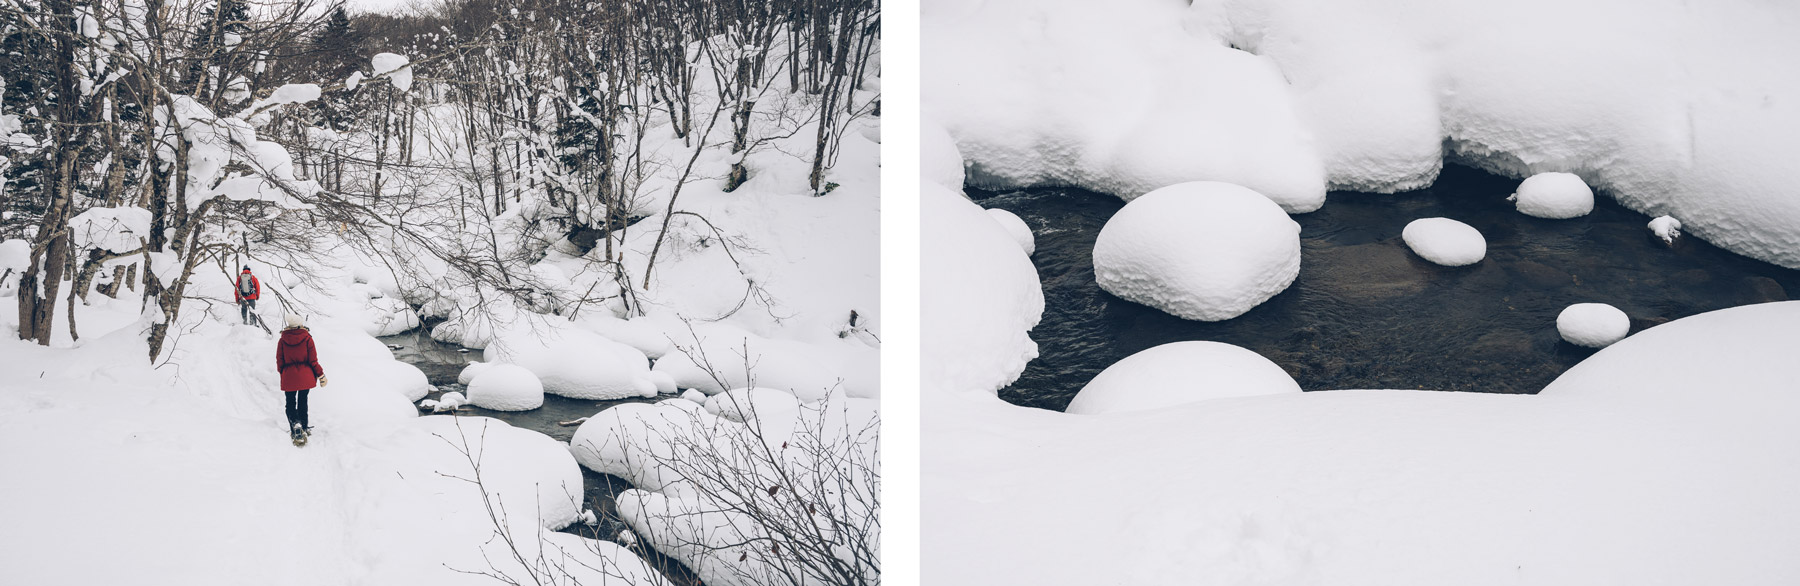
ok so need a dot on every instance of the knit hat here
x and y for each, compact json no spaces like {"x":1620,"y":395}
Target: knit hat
{"x":246,"y":268}
{"x":295,"y":321}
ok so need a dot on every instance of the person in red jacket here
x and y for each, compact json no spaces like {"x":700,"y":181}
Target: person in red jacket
{"x":248,"y":290}
{"x":298,"y":361}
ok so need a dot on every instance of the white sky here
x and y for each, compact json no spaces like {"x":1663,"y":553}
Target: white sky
{"x":378,"y":5}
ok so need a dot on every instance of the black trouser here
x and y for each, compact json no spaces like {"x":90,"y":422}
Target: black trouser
{"x":296,"y":407}
{"x":246,"y":308}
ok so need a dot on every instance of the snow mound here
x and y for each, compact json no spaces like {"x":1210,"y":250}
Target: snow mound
{"x":506,"y":387}
{"x":741,"y":405}
{"x":694,"y":396}
{"x":1594,"y":325}
{"x":471,"y":371}
{"x":1667,"y":228}
{"x":1179,"y":373}
{"x":1445,"y":241}
{"x":577,"y":364}
{"x":449,"y":402}
{"x":1556,"y":196}
{"x":741,"y":359}
{"x":979,"y":296}
{"x":939,"y":162}
{"x":1016,"y":228}
{"x":1116,"y":97}
{"x":1203,"y":250}
{"x":665,"y":384}
{"x":530,"y":474}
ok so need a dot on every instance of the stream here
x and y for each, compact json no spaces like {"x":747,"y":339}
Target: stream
{"x":443,"y":362}
{"x":1367,"y":313}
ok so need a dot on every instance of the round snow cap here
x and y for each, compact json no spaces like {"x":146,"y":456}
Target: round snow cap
{"x":1203,"y":250}
{"x":1445,"y":241}
{"x":1179,"y":373}
{"x":1594,"y":325}
{"x":1557,"y":196}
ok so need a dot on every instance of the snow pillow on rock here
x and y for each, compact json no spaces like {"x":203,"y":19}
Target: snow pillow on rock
{"x":1179,"y":373}
{"x":1203,"y":250}
{"x":1555,"y":196}
{"x":1445,"y":241}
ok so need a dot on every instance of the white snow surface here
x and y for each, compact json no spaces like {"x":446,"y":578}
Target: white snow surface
{"x":1667,"y":228}
{"x":1445,"y":241}
{"x":1661,"y":459}
{"x":1555,"y":196}
{"x":1179,"y":373}
{"x":506,"y":387}
{"x":1594,"y":325}
{"x":1203,"y":250}
{"x":1667,"y":108}
{"x":1016,"y":228}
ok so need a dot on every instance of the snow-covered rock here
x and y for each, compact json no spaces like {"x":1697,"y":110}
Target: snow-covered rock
{"x":979,"y":296}
{"x":577,"y":364}
{"x":449,"y":402}
{"x":506,"y":387}
{"x":1016,"y":228}
{"x":1556,"y":196}
{"x":1445,"y":241}
{"x":1178,"y":373}
{"x":694,"y":396}
{"x":1594,"y":325}
{"x":1667,"y":228}
{"x":1204,"y":250}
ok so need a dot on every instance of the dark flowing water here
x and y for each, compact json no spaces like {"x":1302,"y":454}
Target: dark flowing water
{"x":443,"y":362}
{"x":1366,"y":312}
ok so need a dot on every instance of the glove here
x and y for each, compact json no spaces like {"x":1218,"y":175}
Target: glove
{"x":323,"y":382}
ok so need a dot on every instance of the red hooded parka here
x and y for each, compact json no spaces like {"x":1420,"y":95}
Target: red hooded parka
{"x":298,"y":360}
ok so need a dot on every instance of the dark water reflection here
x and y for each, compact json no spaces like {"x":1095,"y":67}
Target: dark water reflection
{"x":1367,"y":313}
{"x":443,"y":362}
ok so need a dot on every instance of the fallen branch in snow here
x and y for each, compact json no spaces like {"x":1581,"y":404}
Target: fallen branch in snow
{"x":572,"y":423}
